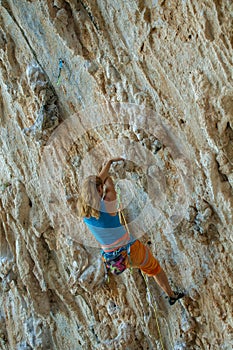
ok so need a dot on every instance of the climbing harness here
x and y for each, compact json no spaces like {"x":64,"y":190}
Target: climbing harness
{"x":115,"y":262}
{"x":61,"y":62}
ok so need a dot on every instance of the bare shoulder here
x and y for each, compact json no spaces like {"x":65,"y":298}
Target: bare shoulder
{"x":110,"y":195}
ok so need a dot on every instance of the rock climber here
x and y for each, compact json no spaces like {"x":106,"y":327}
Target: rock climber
{"x":97,"y":205}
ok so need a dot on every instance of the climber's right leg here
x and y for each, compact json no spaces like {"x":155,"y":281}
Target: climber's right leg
{"x":141,"y":257}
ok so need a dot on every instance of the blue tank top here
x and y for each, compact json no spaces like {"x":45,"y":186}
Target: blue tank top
{"x":108,"y":230}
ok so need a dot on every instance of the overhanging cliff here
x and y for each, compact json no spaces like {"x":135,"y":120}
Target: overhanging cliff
{"x":85,"y":80}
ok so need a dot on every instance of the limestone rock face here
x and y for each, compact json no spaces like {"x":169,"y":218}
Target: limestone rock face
{"x":83,"y":81}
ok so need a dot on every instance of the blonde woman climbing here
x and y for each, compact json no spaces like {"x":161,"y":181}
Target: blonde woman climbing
{"x":120,"y":250}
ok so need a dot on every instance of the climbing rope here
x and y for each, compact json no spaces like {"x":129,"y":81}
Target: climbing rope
{"x":153,"y":305}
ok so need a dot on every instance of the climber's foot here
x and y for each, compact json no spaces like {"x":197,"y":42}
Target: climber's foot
{"x":177,"y":296}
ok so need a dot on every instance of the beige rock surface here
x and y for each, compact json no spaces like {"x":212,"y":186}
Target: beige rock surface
{"x":152,"y":81}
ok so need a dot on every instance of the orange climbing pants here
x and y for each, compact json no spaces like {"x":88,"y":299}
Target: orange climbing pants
{"x":142,"y":258}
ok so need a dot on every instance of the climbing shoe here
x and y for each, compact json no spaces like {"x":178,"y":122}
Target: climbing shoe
{"x":174,"y":299}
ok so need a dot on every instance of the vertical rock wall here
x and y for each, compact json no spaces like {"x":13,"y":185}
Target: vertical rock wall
{"x":61,"y":59}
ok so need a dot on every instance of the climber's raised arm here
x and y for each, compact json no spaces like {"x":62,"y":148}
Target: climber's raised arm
{"x":104,"y":173}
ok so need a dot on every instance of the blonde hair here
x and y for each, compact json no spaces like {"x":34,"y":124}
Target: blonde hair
{"x":89,"y":201}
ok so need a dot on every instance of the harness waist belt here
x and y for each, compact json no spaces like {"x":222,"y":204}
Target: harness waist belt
{"x":114,"y":254}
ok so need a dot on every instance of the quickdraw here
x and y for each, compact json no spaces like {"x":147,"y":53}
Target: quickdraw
{"x":61,"y":62}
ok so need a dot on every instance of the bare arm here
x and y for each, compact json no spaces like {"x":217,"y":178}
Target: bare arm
{"x":104,"y":173}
